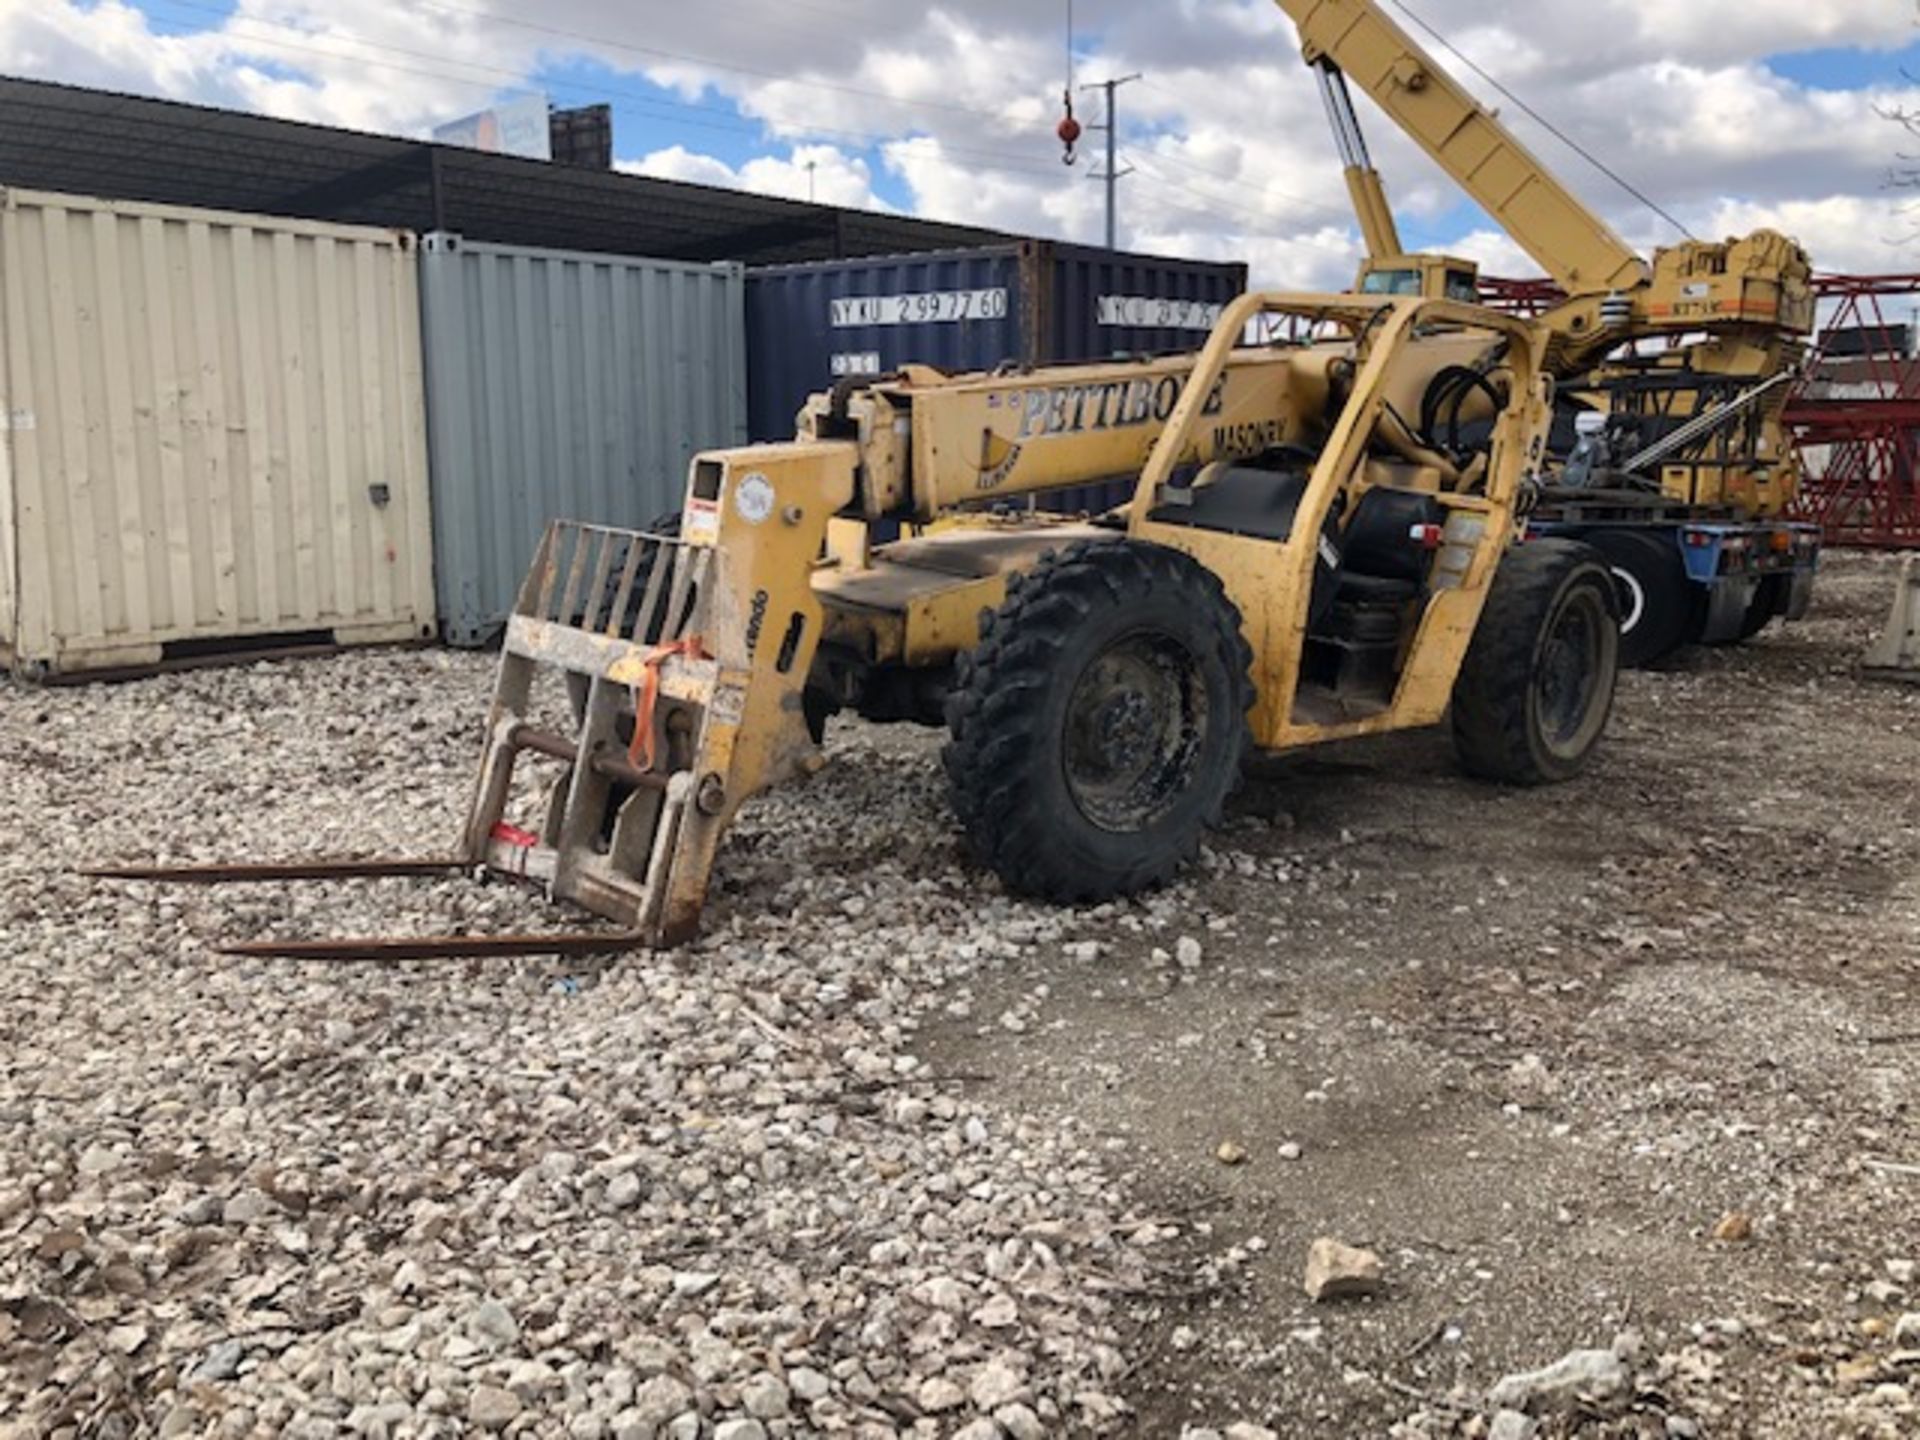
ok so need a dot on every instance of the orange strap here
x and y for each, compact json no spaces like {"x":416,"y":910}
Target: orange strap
{"x":647,"y":694}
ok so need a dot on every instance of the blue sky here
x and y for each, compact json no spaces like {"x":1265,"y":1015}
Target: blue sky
{"x":1732,"y":113}
{"x":1847,"y":68}
{"x":649,"y":117}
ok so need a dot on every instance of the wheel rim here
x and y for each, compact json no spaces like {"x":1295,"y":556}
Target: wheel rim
{"x":1633,"y":598}
{"x":1568,"y":679}
{"x":1134,"y":726}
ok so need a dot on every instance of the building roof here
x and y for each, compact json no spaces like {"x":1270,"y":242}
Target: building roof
{"x":127,"y":147}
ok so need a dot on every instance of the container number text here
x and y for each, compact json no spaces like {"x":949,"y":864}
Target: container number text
{"x":931,"y":307}
{"x":1145,"y":312}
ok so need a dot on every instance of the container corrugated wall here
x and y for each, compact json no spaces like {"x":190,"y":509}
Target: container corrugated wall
{"x":808,"y":325}
{"x":1099,"y":304}
{"x":214,"y":432}
{"x":1035,"y":303}
{"x":1106,"y":303}
{"x":566,"y":385}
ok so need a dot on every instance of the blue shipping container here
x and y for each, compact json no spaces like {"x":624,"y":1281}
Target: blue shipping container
{"x":1032,"y":303}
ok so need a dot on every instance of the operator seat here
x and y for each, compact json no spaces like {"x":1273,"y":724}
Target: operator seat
{"x":1375,"y":560}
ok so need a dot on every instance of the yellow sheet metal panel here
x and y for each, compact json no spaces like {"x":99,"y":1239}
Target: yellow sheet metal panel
{"x":992,"y":437}
{"x":214,"y":430}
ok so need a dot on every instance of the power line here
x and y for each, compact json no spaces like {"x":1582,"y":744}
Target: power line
{"x":1113,"y":173}
{"x":1187,"y":162}
{"x":1213,"y":203}
{"x":721,"y":119}
{"x":1338,"y":212}
{"x":1542,"y":120}
{"x":724,"y":120}
{"x":1159,"y":165}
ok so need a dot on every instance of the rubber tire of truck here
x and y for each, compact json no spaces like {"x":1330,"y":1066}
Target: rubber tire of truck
{"x":1659,"y":607}
{"x":1761,"y":609}
{"x":1098,"y":727}
{"x":1550,"y":619}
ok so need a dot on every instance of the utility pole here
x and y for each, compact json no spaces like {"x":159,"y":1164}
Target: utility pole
{"x":1112,"y":173}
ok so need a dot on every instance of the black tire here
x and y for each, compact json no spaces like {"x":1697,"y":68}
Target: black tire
{"x":1100,"y":724}
{"x":1536,"y":687}
{"x":1761,"y":609}
{"x":1658,"y":607}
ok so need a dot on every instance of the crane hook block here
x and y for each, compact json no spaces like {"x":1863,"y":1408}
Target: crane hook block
{"x":1068,"y":129}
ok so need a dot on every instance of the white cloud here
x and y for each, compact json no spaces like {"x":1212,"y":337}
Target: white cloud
{"x":108,"y":46}
{"x":676,"y":162}
{"x":1323,"y":259}
{"x":816,"y":172}
{"x":1494,"y":251}
{"x":1856,"y":233}
{"x":947,"y":184}
{"x":954,"y":105}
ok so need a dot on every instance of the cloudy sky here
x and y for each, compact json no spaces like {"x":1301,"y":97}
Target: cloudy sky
{"x":1728,"y":113}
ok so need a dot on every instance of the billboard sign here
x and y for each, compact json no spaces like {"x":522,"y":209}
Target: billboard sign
{"x":513,"y":127}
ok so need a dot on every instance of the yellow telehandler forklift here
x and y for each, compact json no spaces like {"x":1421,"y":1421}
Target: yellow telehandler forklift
{"x":1309,"y":555}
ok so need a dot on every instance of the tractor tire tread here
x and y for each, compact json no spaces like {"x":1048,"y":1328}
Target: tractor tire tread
{"x":989,"y":709}
{"x":1490,"y":714}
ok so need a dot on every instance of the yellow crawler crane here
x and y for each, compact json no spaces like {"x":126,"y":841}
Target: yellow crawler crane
{"x":1299,"y":563}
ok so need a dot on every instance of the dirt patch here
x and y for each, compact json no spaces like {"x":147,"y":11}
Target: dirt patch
{"x":1711,"y":947}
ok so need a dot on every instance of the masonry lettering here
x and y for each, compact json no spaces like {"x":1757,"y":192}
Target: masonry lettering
{"x":1076,"y":409}
{"x":1249,"y":438}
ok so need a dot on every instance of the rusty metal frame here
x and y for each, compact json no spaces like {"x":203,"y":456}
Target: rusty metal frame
{"x":1867,"y":491}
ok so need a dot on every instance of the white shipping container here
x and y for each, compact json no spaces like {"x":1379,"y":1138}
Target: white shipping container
{"x":212,"y":429}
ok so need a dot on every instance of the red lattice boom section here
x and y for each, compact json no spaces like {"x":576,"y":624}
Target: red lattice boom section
{"x":1856,"y":418}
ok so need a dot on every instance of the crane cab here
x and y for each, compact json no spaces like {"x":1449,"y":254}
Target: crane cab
{"x":1434,"y":277}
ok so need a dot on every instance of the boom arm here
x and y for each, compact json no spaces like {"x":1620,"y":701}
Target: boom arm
{"x":1751,"y":296}
{"x":1567,"y":240}
{"x":1363,"y":181}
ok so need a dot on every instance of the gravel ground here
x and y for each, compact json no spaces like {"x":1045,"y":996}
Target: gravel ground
{"x":1628,"y":1065}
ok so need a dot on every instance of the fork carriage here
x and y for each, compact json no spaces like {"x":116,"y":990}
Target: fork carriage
{"x":629,"y":823}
